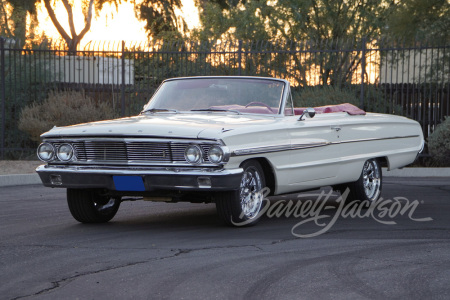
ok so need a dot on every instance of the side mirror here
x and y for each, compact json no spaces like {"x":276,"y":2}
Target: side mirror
{"x":309,"y":113}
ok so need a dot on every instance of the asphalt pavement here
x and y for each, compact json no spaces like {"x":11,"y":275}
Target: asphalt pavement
{"x":398,"y":250}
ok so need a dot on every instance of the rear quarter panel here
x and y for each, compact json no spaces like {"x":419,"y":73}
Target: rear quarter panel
{"x":395,"y":138}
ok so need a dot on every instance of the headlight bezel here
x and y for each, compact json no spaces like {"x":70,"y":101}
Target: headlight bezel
{"x":52,"y":150}
{"x":199,"y":154}
{"x":213,"y":151}
{"x":71,"y":151}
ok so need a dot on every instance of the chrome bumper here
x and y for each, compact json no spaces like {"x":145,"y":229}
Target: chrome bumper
{"x":153,"y":179}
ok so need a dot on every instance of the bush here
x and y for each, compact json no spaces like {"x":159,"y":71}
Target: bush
{"x":439,"y":144}
{"x":62,"y":109}
{"x":324,"y":95}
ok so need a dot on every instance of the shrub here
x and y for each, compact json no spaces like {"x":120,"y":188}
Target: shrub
{"x":324,"y":95}
{"x":62,"y":109}
{"x":439,"y":144}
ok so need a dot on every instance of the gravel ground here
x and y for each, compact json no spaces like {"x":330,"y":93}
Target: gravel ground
{"x":18,"y":166}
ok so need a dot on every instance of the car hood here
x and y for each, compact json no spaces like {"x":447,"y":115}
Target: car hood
{"x":202,"y":125}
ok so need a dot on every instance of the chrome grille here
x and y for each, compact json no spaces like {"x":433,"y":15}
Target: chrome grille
{"x":149,"y":151}
{"x":131,"y":151}
{"x":105,"y":151}
{"x":178,"y":151}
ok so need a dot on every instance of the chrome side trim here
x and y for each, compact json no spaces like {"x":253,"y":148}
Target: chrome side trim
{"x":258,"y":150}
{"x":288,"y":147}
{"x":276,"y":148}
{"x":376,"y":139}
{"x":305,"y":146}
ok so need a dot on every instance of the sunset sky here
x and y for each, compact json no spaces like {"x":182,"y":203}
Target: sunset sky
{"x":110,"y":24}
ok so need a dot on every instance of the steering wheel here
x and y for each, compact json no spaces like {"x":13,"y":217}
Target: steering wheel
{"x":261,"y":104}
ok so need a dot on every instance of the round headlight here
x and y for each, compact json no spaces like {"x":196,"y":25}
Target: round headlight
{"x":193,"y":154}
{"x":215,"y":154}
{"x":46,"y":152}
{"x":65,"y":152}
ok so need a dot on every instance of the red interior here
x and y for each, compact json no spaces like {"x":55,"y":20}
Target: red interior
{"x":345,"y":107}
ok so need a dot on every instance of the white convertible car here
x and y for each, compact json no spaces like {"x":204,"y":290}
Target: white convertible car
{"x":223,"y":139}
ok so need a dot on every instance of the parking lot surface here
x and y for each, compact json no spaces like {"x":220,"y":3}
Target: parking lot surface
{"x":182,"y":251}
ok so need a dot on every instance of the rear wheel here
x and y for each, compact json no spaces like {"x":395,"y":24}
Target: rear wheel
{"x":242,"y":207}
{"x":88,"y":206}
{"x":368,"y":186}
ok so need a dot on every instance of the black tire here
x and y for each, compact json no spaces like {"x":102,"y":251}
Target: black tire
{"x":87,"y":206}
{"x":242,"y":207}
{"x":368,"y":186}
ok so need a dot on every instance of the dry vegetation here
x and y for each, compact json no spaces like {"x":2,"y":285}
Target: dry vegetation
{"x":62,"y":109}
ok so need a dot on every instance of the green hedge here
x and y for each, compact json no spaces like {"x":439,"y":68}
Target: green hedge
{"x":439,"y":144}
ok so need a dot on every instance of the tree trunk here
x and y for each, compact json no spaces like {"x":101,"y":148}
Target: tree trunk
{"x":19,"y":16}
{"x":72,"y":46}
{"x":74,"y":39}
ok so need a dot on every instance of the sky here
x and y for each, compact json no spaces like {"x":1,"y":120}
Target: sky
{"x":110,"y":25}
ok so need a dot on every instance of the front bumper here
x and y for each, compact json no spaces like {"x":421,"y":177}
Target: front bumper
{"x":177,"y":179}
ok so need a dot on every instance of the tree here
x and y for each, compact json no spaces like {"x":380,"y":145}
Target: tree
{"x":160,"y":17}
{"x":296,"y":20}
{"x":421,"y":19}
{"x":222,"y":19}
{"x":73,"y":39}
{"x":15,"y":25}
{"x":324,"y":25}
{"x":5,"y":23}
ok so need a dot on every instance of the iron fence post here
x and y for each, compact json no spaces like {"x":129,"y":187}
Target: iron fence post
{"x":3,"y":97}
{"x":123,"y":80}
{"x":239,"y":58}
{"x":363,"y":70}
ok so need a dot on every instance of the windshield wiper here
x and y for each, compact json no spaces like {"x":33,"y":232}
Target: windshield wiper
{"x":217,"y":109}
{"x":156,"y":110}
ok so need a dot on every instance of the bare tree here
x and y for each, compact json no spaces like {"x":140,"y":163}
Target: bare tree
{"x":73,"y":39}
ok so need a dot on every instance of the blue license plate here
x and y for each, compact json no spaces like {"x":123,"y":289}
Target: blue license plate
{"x":129,"y":183}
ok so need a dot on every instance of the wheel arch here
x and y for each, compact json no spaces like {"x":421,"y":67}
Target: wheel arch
{"x":269,"y":174}
{"x":384,"y":161}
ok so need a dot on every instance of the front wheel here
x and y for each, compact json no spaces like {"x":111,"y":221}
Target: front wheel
{"x":242,"y":207}
{"x":87,"y":206}
{"x":368,"y":186}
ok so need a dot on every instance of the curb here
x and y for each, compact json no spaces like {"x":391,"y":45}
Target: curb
{"x":28,"y":179}
{"x":417,"y":172}
{"x":19,"y":179}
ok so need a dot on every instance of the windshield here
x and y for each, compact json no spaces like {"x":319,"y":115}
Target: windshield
{"x":240,"y":95}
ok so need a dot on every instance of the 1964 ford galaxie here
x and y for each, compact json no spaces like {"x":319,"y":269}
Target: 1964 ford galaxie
{"x":222,"y":140}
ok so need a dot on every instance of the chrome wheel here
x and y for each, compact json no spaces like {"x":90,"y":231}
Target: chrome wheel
{"x":368,"y":186}
{"x":249,"y":193}
{"x":242,"y":207}
{"x":371,"y":179}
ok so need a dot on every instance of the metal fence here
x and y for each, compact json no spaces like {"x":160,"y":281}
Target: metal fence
{"x":381,"y":76}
